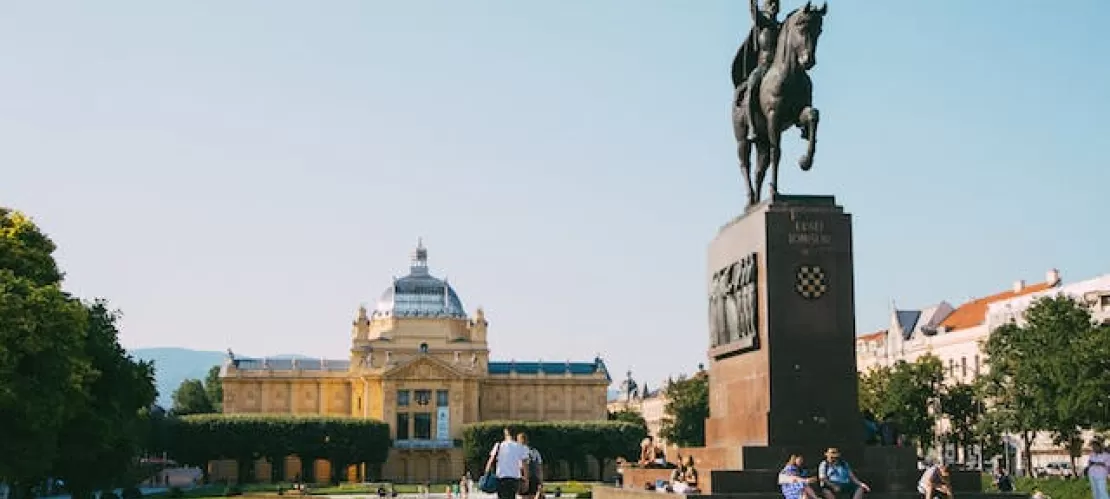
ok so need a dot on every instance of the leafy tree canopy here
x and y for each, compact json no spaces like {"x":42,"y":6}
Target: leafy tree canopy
{"x":686,"y":410}
{"x":214,"y":389}
{"x":903,"y":393}
{"x":1049,"y":372}
{"x":628,"y":416}
{"x":191,"y":398}
{"x":42,"y":366}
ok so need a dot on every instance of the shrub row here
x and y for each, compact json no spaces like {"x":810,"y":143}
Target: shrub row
{"x":566,"y":441}
{"x":199,"y":439}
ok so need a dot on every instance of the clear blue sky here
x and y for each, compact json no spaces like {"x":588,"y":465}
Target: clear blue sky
{"x":244,"y":174}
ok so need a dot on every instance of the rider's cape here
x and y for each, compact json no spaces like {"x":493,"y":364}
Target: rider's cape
{"x":747,"y":58}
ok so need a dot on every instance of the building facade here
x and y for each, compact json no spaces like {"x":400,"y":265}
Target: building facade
{"x":421,"y":364}
{"x":955,"y":335}
{"x":650,"y":404}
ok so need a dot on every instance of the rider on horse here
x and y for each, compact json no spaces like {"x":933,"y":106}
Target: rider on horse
{"x":761,"y":43}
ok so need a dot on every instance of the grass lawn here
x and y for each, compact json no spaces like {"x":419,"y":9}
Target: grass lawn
{"x":212,"y":491}
{"x":1056,"y":488}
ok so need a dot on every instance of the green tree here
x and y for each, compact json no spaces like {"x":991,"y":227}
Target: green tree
{"x":686,"y":410}
{"x":42,"y":366}
{"x":1049,"y":372}
{"x":905,"y":393}
{"x":98,"y":443}
{"x":191,"y":398}
{"x":27,"y":251}
{"x":962,"y":406}
{"x":214,"y":388}
{"x":873,"y":387}
{"x":628,"y":416}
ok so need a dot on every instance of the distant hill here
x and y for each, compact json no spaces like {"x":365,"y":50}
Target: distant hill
{"x":173,"y":365}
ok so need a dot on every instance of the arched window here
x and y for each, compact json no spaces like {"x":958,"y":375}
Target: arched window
{"x":423,"y":348}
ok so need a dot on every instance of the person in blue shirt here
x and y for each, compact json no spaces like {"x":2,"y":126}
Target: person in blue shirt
{"x":795,"y":482}
{"x":837,"y":477}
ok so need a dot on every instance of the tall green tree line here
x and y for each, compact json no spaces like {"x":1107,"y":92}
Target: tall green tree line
{"x":70,"y":396}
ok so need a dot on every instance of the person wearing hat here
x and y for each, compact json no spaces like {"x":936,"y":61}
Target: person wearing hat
{"x":837,"y":477}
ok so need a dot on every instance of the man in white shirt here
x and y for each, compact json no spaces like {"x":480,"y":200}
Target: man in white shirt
{"x":1098,"y":465}
{"x":510,"y":461}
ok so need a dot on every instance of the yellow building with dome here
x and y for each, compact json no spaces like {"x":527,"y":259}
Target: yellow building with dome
{"x":421,"y":364}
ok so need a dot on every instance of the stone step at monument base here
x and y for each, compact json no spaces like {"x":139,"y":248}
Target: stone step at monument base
{"x":873,"y":495}
{"x":859,"y":456}
{"x":606,"y":492}
{"x":894,"y":480}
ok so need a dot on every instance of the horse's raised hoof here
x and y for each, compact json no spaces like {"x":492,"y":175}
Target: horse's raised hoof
{"x":806,"y":163}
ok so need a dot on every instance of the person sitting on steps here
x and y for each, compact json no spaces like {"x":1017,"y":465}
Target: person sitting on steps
{"x":837,"y":477}
{"x":936,"y":480}
{"x":795,"y":482}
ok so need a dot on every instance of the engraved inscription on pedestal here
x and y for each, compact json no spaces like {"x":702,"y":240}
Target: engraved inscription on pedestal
{"x":733,"y":308}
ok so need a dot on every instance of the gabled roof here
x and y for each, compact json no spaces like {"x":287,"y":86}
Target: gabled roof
{"x":974,"y":312}
{"x":424,"y":366}
{"x":907,"y":321}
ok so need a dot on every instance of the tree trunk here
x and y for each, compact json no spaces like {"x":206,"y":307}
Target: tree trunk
{"x":1027,"y":454}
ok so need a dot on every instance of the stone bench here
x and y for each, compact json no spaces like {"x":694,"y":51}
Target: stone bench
{"x":635,"y":478}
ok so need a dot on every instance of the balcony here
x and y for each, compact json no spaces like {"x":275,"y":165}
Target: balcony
{"x":426,"y":444}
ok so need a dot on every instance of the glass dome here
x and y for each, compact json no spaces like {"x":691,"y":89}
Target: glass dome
{"x":420,"y":294}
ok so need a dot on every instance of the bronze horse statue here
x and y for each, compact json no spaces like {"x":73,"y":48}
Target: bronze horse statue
{"x":785,"y":99}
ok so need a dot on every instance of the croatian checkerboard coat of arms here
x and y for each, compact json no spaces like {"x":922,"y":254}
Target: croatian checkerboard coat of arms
{"x":811,"y":282}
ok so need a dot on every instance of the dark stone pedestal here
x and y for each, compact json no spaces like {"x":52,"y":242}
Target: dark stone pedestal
{"x":782,"y":373}
{"x":783,"y":358}
{"x":782,"y":348}
{"x":782,"y":336}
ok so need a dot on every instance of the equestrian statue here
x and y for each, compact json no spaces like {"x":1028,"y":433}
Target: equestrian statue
{"x":773,"y":92}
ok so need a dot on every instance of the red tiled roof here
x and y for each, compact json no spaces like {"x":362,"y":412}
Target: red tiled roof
{"x":974,"y":312}
{"x":877,"y":335}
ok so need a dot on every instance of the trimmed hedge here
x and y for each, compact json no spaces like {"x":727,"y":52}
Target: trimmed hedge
{"x":198,"y":439}
{"x":568,"y":441}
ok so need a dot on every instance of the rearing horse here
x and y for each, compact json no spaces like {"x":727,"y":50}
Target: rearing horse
{"x":785,"y":100}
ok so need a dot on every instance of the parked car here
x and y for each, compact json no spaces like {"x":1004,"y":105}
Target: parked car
{"x":1057,"y":468}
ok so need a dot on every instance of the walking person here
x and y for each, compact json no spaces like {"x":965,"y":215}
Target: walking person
{"x":1098,"y":465}
{"x":533,"y":488}
{"x":507,"y":462}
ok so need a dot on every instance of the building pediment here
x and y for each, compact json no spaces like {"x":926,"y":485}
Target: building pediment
{"x":424,"y":368}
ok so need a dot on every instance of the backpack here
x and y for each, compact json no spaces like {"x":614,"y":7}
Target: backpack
{"x":533,"y":466}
